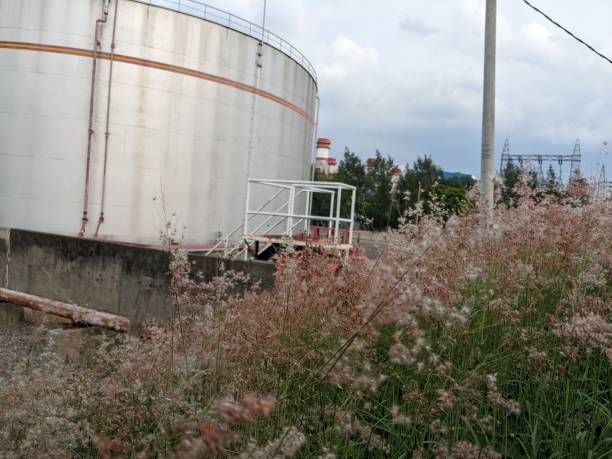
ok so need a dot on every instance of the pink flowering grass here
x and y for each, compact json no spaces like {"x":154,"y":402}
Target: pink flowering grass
{"x":475,"y":336}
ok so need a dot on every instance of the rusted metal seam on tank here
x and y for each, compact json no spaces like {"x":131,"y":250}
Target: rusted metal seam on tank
{"x":156,"y":65}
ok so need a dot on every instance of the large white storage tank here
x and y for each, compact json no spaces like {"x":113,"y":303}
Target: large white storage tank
{"x":194,"y":110}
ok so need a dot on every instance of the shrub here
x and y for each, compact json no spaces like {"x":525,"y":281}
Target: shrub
{"x":482,"y":335}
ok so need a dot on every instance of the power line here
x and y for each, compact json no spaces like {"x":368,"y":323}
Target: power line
{"x":567,"y":31}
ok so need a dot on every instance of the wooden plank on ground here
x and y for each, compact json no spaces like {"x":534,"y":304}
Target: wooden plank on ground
{"x":73,"y":312}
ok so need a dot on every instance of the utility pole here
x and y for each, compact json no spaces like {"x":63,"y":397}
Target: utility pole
{"x":263,"y":23}
{"x":487,"y":165}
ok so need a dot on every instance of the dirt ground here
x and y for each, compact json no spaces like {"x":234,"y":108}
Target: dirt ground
{"x":26,"y":337}
{"x":19,"y":346}
{"x":34,"y":342}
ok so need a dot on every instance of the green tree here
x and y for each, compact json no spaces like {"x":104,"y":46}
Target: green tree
{"x":552,"y":184}
{"x":417,"y":183}
{"x":427,"y":172}
{"x":378,"y":205}
{"x":464,"y":182}
{"x":452,"y":199}
{"x":510,"y":175}
{"x":320,"y":201}
{"x":351,"y":171}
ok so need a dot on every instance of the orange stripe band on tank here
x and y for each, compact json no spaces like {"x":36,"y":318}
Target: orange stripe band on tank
{"x":155,"y":65}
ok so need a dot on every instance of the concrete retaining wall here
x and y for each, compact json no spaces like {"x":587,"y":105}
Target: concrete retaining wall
{"x":126,"y":280}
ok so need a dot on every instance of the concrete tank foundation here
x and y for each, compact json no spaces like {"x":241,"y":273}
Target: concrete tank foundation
{"x":126,"y":280}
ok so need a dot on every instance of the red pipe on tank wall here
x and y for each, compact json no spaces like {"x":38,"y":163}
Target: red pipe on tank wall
{"x":90,"y":131}
{"x":107,"y":131}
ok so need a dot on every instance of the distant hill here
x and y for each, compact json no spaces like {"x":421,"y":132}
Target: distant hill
{"x":447,"y":175}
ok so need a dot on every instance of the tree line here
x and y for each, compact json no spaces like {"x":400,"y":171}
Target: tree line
{"x":549,"y":184}
{"x":384,"y":201}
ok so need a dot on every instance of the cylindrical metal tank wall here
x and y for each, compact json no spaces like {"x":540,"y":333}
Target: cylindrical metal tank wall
{"x":190,"y":119}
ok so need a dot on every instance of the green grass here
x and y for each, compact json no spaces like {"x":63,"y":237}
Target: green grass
{"x":564,"y":406}
{"x":497,"y":381}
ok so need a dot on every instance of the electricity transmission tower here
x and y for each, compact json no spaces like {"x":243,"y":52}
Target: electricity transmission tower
{"x":603,"y":186}
{"x":574,"y":160}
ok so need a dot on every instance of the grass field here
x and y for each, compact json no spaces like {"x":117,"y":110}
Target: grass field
{"x":478,"y":336}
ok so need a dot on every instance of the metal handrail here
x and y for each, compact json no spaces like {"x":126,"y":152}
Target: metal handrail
{"x":227,"y":239}
{"x":296,"y":188}
{"x":212,"y":14}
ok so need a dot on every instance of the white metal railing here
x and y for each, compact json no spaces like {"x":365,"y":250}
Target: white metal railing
{"x":218,"y":16}
{"x":285,"y":218}
{"x":225,"y":243}
{"x":284,"y":223}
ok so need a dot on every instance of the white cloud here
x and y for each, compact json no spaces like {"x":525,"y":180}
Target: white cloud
{"x":417,"y":26}
{"x":538,"y":38}
{"x":346,"y":58}
{"x":384,"y":85}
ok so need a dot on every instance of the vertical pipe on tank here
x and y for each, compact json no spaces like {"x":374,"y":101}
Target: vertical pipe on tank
{"x":107,"y":130}
{"x":257,"y":80}
{"x":313,"y":156}
{"x":90,"y":130}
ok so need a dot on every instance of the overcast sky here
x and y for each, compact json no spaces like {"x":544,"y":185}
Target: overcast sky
{"x":405,"y":76}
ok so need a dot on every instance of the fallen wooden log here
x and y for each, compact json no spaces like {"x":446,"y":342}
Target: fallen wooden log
{"x":73,"y":312}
